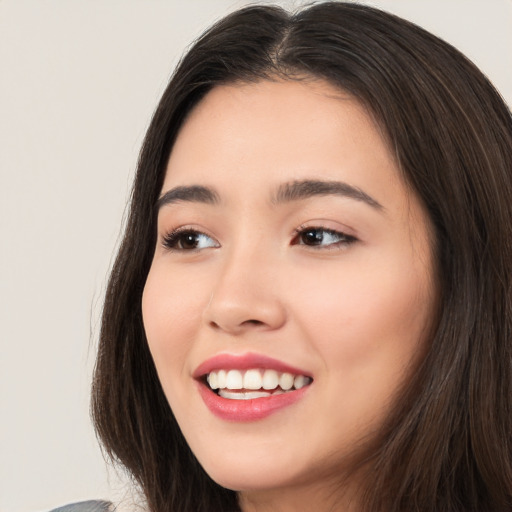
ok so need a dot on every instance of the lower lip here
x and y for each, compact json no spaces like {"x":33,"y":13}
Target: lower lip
{"x":248,"y":410}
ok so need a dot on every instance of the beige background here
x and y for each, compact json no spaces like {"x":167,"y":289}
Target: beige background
{"x":78,"y":83}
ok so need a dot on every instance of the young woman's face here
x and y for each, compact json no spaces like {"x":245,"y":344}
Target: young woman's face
{"x":293,"y":271}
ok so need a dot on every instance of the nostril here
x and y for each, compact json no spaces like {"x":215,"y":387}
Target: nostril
{"x":253,"y":322}
{"x":245,"y":323}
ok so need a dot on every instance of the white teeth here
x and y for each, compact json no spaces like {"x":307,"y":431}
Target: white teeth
{"x":300,"y":381}
{"x":270,"y":379}
{"x":252,"y":379}
{"x":234,"y":380}
{"x":213,"y":380}
{"x":286,"y":381}
{"x":256,"y":380}
{"x":248,"y":395}
{"x":221,"y":378}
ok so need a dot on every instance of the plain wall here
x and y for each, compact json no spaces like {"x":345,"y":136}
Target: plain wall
{"x":78,"y":83}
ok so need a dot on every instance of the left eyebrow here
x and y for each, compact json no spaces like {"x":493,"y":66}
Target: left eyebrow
{"x":304,"y":189}
{"x":192,"y":193}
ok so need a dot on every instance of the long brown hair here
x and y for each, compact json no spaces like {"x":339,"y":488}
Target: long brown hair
{"x":446,"y":445}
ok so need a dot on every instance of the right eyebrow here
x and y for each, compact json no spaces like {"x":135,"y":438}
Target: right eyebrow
{"x":191,"y":193}
{"x":303,"y":189}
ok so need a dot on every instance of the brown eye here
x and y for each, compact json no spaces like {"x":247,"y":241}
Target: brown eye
{"x":312,"y":237}
{"x":188,"y":240}
{"x":321,"y":237}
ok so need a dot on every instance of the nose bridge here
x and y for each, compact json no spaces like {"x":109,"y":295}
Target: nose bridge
{"x":244,"y":295}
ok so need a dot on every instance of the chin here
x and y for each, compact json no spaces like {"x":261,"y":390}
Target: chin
{"x":253,"y":481}
{"x":251,"y":474}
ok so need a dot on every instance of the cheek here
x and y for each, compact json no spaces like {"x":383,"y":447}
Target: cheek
{"x":370,"y":325}
{"x":171,"y":307}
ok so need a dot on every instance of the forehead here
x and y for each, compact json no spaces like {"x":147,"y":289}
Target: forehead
{"x":271,"y":131}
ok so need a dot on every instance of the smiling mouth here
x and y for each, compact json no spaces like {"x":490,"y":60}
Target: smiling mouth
{"x":254,"y":383}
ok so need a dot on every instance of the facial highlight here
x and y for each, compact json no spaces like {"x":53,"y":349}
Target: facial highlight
{"x":292,"y":285}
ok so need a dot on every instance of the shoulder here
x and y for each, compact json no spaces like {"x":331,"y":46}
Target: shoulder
{"x":87,"y":506}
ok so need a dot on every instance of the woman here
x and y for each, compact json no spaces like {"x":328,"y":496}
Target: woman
{"x":311,"y":306}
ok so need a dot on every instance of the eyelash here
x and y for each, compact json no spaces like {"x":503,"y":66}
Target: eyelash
{"x":344,"y":240}
{"x":175,"y":238}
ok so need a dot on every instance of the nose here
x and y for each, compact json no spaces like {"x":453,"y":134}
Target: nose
{"x":245,"y":296}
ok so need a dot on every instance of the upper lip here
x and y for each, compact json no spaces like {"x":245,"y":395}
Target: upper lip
{"x":245,"y":362}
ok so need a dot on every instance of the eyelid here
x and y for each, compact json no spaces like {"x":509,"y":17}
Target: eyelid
{"x":327,"y":225}
{"x":345,"y":235}
{"x":169,"y":237}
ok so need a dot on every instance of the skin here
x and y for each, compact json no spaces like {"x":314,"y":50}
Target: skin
{"x":353,"y":314}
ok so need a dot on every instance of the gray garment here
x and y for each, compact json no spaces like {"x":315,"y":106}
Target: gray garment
{"x":86,"y":506}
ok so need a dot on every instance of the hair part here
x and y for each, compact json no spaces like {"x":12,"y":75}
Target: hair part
{"x":447,"y":442}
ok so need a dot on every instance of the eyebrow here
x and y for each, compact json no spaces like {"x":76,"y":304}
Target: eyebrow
{"x":287,"y":192}
{"x":303,"y":189}
{"x":191,"y":193}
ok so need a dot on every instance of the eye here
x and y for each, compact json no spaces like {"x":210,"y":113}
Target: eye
{"x":322,"y":237}
{"x":188,"y":240}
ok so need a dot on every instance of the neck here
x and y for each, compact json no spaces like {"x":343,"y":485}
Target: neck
{"x":314,"y":497}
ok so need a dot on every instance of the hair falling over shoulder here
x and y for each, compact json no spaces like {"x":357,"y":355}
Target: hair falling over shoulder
{"x":447,"y":443}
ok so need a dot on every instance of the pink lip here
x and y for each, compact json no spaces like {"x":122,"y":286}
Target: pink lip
{"x":246,"y":410}
{"x":245,"y":362}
